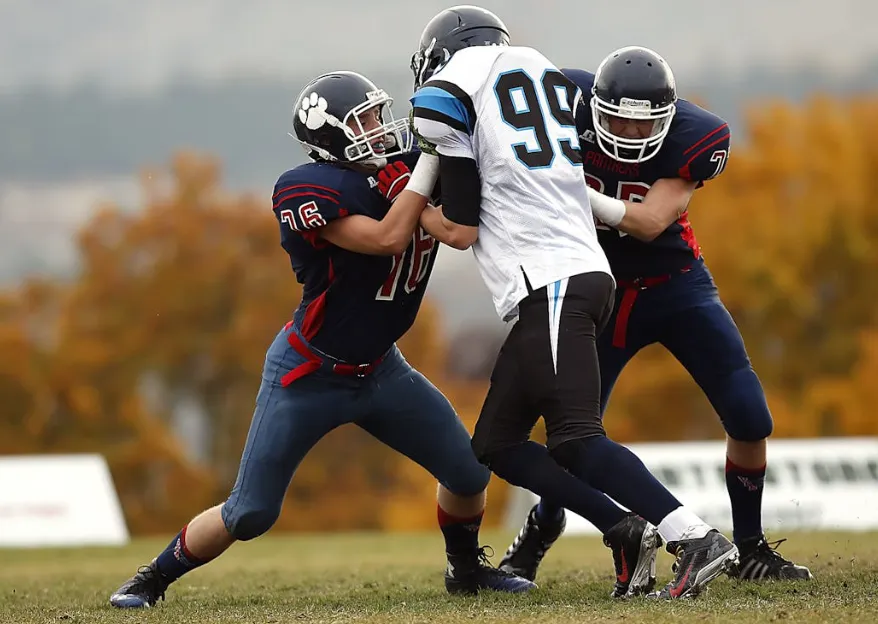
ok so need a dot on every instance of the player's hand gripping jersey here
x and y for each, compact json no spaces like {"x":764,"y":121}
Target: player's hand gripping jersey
{"x":511,"y":111}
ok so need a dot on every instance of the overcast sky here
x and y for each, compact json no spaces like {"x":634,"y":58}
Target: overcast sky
{"x":143,"y":44}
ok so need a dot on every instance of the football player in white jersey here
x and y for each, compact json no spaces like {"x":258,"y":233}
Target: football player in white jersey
{"x":500,"y":118}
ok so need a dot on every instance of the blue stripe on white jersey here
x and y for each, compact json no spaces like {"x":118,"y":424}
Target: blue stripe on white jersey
{"x":447,"y":107}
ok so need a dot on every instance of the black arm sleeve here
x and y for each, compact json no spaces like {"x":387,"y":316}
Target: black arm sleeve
{"x":461,"y":189}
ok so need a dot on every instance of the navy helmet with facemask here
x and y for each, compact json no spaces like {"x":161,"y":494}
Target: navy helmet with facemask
{"x":633,"y":83}
{"x":452,"y":30}
{"x":327,"y":121}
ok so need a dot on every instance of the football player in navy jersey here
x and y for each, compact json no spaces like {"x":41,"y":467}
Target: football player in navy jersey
{"x":349,"y":222}
{"x":644,"y":152}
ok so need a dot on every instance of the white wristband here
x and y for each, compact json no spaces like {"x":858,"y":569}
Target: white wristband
{"x":609,"y":210}
{"x":424,"y":176}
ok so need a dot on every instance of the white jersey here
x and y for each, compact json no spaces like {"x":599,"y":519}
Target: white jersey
{"x":510,"y":110}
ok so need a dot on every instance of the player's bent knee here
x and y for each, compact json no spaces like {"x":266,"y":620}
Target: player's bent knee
{"x":251,"y":523}
{"x":568,"y":454}
{"x":468,"y":479}
{"x":752,"y":432}
{"x":743,"y":408}
{"x":526,"y":465}
{"x":506,"y":464}
{"x":587,"y":455}
{"x":481,"y":450}
{"x":471,"y":487}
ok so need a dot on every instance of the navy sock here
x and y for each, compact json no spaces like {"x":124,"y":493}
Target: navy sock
{"x":547,"y":512}
{"x":461,"y":534}
{"x":529,"y":465}
{"x":176,"y":560}
{"x":745,"y":493}
{"x":619,"y":473}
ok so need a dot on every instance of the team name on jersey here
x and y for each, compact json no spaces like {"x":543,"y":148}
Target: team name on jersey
{"x":599,"y":160}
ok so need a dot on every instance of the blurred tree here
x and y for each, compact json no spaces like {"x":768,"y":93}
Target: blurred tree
{"x":52,"y":405}
{"x":187,"y":291}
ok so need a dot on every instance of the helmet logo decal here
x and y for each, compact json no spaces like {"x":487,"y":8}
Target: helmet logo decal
{"x":635,"y":104}
{"x":376,"y":96}
{"x":313,"y":111}
{"x":635,"y":108}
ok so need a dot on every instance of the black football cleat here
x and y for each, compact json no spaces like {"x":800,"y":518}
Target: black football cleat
{"x":524,"y":555}
{"x":634,"y":543}
{"x":469,"y":574}
{"x":760,"y":561}
{"x":699,"y":561}
{"x":142,"y":590}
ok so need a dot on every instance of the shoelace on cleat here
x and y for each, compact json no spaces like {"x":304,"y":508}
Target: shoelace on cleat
{"x":767,"y":552}
{"x":485,"y":554}
{"x":152,"y":580}
{"x":484,"y":558}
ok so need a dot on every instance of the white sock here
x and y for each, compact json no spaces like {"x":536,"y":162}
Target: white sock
{"x":682,"y":524}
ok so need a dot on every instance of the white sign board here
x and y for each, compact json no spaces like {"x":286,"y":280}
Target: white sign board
{"x":814,"y":484}
{"x":58,"y":500}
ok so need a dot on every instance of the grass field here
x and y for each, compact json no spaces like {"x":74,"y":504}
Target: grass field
{"x":398,"y":578}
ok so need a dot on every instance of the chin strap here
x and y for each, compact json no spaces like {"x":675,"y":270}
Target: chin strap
{"x":377,"y":163}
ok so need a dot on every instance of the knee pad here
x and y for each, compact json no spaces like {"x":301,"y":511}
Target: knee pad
{"x":248,"y":524}
{"x":742,"y":408}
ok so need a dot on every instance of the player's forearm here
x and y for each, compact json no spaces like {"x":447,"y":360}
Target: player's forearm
{"x":392,"y":234}
{"x":642,"y":223}
{"x":431,"y":221}
{"x":663,"y":205}
{"x":365,"y":235}
{"x":395,"y":230}
{"x":445,"y":231}
{"x":398,"y":225}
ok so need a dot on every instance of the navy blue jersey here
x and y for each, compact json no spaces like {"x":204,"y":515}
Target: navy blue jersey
{"x":696,"y":149}
{"x":354,"y":306}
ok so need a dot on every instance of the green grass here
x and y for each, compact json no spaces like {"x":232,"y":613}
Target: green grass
{"x":398,"y":578}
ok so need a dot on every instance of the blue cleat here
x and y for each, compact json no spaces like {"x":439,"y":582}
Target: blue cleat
{"x":142,"y":590}
{"x":469,"y":574}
